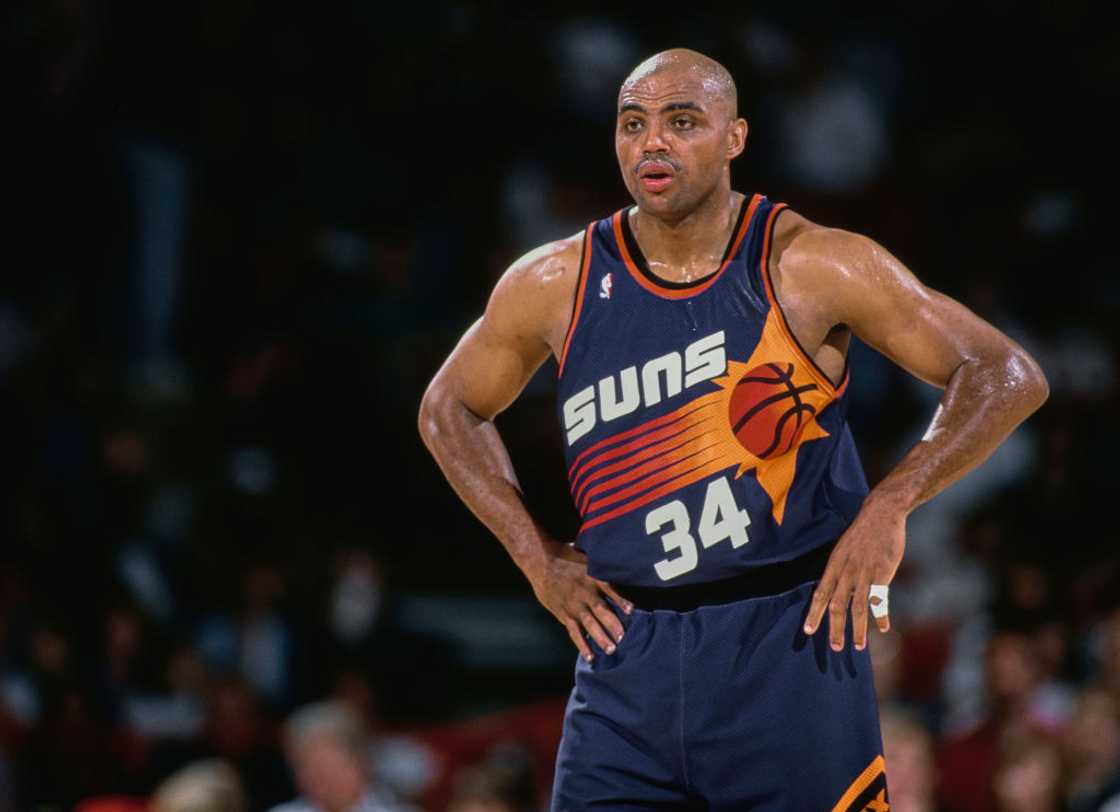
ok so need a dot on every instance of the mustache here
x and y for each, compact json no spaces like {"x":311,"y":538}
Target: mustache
{"x":656,"y":160}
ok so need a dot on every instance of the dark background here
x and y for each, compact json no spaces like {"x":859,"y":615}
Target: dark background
{"x":242,"y":236}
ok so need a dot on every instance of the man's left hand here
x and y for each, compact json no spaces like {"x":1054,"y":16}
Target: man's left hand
{"x":868,"y":552}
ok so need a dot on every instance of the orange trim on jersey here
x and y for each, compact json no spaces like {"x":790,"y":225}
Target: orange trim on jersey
{"x":581,"y":284}
{"x":684,"y":293}
{"x":818,"y":374}
{"x":869,"y":774}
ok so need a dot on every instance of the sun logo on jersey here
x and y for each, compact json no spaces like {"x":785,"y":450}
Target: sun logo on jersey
{"x":771,"y":409}
{"x":761,"y":412}
{"x":605,"y":286}
{"x":770,"y":404}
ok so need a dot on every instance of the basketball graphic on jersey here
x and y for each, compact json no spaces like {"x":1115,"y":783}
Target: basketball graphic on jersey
{"x":768,"y":410}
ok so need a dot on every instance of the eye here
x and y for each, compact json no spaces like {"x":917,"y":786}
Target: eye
{"x":683,"y":123}
{"x":631,"y":125}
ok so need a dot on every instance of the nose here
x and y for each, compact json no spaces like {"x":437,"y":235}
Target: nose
{"x":654,"y":140}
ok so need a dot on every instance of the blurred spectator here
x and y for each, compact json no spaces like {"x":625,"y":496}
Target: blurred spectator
{"x":259,"y":643}
{"x":357,"y":597}
{"x":240,"y":731}
{"x":908,"y":752}
{"x":1028,"y":775}
{"x":398,"y":762}
{"x":328,"y":751}
{"x":504,"y":782}
{"x":1092,"y":753}
{"x":967,"y":761}
{"x":207,"y":786}
{"x":179,"y":711}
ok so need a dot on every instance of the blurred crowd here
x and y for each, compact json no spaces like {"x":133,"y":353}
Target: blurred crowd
{"x":244,"y":235}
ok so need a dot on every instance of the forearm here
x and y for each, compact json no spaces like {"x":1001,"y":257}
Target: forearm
{"x":985,"y":399}
{"x":475,"y":461}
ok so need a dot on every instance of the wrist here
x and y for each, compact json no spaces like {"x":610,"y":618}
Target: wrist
{"x":536,"y":557}
{"x":890,"y":497}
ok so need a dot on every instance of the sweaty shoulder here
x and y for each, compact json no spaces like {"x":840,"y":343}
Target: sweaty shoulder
{"x":831,"y":281}
{"x":797,"y":238}
{"x":535,"y":295}
{"x":817,"y":275}
{"x":815,"y":268}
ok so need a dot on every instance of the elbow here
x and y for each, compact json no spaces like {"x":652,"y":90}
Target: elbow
{"x":443,"y":417}
{"x":1041,"y":389}
{"x":427,"y":417}
{"x":1033,"y":383}
{"x":439,"y":417}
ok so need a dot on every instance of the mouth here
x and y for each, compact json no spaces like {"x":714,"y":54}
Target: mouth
{"x":655,"y":176}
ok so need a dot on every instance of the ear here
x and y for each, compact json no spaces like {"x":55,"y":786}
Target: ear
{"x":736,"y":137}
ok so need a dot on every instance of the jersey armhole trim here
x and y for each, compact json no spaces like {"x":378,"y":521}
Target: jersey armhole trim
{"x":577,"y":305}
{"x":833,"y":390}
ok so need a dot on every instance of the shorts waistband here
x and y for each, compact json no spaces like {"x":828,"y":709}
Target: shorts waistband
{"x":758,"y":582}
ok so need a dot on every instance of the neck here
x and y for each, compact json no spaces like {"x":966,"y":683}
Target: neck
{"x":689,"y":247}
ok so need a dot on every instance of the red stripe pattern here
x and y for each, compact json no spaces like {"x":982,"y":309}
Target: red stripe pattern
{"x":630,"y":469}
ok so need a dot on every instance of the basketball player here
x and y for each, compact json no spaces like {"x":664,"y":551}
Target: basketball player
{"x":719,"y":587}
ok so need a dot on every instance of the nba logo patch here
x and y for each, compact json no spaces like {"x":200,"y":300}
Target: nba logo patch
{"x":605,"y":287}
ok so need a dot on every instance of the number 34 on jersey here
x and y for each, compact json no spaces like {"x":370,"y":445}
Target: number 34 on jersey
{"x":720,"y":519}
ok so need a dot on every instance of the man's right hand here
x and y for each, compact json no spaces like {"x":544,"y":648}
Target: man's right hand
{"x":564,"y":588}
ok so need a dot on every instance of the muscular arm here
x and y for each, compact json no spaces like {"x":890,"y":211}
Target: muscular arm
{"x":483,"y":375}
{"x":524,"y":321}
{"x":991,"y":385}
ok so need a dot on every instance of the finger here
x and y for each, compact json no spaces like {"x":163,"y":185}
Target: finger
{"x":588,"y":620}
{"x":859,"y":613}
{"x":627,"y":607}
{"x":576,"y":634}
{"x":608,"y":619}
{"x":838,"y":613}
{"x":884,"y":622}
{"x":820,"y":597}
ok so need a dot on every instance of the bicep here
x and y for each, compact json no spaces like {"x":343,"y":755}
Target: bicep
{"x":926,"y":332}
{"x":491,"y":364}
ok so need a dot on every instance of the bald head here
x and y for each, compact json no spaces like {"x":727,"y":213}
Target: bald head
{"x":678,"y":123}
{"x":691,"y":66}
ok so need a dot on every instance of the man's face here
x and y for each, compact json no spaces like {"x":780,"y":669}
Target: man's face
{"x":674,"y":135}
